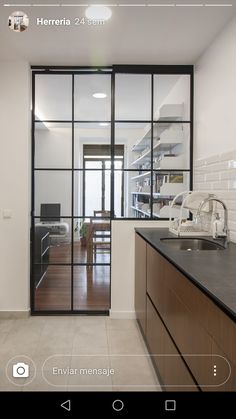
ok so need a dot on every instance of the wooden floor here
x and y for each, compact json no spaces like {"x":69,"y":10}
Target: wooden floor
{"x":91,"y":286}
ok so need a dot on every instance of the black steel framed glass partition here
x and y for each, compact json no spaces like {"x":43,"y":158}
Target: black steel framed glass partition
{"x":107,"y":143}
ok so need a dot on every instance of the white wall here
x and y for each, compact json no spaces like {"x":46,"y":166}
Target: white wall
{"x":122,"y":265}
{"x":215,"y":92}
{"x":215,"y":134}
{"x":14,"y":185}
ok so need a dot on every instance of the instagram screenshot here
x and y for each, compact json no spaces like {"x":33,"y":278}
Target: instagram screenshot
{"x":118,"y":207}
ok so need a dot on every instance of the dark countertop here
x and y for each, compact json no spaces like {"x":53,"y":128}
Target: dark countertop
{"x":214,"y":272}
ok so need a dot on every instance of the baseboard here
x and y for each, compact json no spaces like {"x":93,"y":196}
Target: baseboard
{"x":122,"y":314}
{"x":14,"y":314}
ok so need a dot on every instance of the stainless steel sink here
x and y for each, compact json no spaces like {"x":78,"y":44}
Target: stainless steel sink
{"x":189,"y":244}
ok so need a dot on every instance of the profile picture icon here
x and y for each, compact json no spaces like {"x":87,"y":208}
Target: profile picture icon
{"x":18,"y":21}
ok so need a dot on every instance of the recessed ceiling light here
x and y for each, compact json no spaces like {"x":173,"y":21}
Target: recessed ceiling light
{"x":98,"y":12}
{"x":103,"y":124}
{"x":99,"y":95}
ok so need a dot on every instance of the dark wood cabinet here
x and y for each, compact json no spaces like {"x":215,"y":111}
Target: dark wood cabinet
{"x":183,"y":324}
{"x":171,"y":368}
{"x":140,"y":281}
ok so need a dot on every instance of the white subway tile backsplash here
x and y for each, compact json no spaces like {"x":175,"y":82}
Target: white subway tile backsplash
{"x":217,"y":174}
{"x":223,"y":184}
{"x":228,"y":156}
{"x":212,"y":176}
{"x":231,"y":205}
{"x":227,"y":195}
{"x":228,"y":174}
{"x":200,"y":162}
{"x":199,"y":177}
{"x":232,"y":184}
{"x":232,"y":215}
{"x":232,"y":225}
{"x":204,"y":186}
{"x":212,"y":159}
{"x":217,"y":167}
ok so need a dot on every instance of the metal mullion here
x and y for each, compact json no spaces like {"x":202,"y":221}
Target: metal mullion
{"x":153,"y":69}
{"x":191,"y":127}
{"x":133,"y":121}
{"x":171,"y":121}
{"x":52,"y":169}
{"x":72,"y":194}
{"x":71,"y":264}
{"x":152,"y":133}
{"x":103,"y":186}
{"x":112,"y":143}
{"x":32,"y":231}
{"x":70,"y":313}
{"x":69,"y":121}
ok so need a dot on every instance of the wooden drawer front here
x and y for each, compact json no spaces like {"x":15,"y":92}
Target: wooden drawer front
{"x":203,"y":310}
{"x":190,"y":338}
{"x":155,"y":337}
{"x":176,"y":374}
{"x":155,"y":278}
{"x":172,"y":370}
{"x":140,"y":281}
{"x":194,"y":299}
{"x":222,"y":330}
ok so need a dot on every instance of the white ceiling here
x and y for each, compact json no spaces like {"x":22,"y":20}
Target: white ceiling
{"x":135,"y":35}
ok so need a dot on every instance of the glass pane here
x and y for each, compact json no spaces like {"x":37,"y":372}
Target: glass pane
{"x":119,"y":189}
{"x":171,"y":146}
{"x":93,"y":97}
{"x":91,"y":141}
{"x":172,"y":97}
{"x":52,"y":193}
{"x":91,"y":287}
{"x":107,"y":190}
{"x":53,"y":290}
{"x":133,"y":97}
{"x":93,"y":164}
{"x":136,"y":194}
{"x":53,"y":145}
{"x":93,"y":191}
{"x":92,"y":239}
{"x":136,"y":139}
{"x":53,"y":97}
{"x":52,"y":241}
{"x":166,"y":185}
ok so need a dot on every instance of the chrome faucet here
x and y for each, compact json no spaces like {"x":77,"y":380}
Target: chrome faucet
{"x":225,"y":232}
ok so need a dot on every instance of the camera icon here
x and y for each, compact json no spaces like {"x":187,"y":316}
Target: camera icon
{"x":20,"y":370}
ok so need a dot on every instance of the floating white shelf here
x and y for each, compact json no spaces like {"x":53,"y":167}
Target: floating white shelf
{"x":158,"y":149}
{"x":143,"y":175}
{"x":171,"y":111}
{"x":139,"y":210}
{"x":167,"y":162}
{"x":155,"y":195}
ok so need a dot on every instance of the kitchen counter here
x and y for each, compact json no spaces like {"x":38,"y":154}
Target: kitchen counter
{"x":212,"y":271}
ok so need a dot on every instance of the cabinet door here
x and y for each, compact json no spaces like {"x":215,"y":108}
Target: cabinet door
{"x":155,"y":336}
{"x":155,"y":279}
{"x":172,"y":371}
{"x":190,"y":337}
{"x":140,"y":281}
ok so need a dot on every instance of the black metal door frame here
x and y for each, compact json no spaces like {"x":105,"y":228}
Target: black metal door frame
{"x":111,"y":70}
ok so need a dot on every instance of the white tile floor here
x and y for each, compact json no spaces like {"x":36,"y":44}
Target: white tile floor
{"x":81,"y":342}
